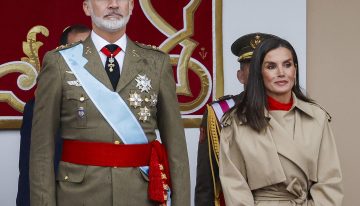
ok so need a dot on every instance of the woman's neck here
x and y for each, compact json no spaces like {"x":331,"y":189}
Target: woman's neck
{"x":274,"y":104}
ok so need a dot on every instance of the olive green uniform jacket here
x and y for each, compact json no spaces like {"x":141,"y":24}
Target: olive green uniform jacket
{"x":294,"y":162}
{"x":57,"y":103}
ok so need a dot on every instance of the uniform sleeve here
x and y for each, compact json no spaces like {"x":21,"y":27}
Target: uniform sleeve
{"x":173,"y":136}
{"x":328,"y":189}
{"x":231,"y":164}
{"x":204,"y":189}
{"x":45,"y":123}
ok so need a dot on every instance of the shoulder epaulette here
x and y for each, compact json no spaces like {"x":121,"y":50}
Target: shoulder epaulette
{"x":326,"y":112}
{"x":66,"y":46}
{"x":226,"y":97}
{"x":149,"y":46}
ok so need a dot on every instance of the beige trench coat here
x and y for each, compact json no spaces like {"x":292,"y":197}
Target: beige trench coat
{"x":56,"y":106}
{"x":278,"y":168}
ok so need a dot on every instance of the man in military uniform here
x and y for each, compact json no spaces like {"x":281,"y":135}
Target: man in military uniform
{"x":208,"y":188}
{"x":108,"y":96}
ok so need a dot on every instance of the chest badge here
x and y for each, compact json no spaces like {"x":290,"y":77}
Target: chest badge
{"x":144,"y":114}
{"x":135,"y":100}
{"x":75,"y":83}
{"x":143,"y":83}
{"x":152,"y":100}
{"x":81,"y":112}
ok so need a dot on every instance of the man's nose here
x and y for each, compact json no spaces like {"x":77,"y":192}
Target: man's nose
{"x":114,"y":4}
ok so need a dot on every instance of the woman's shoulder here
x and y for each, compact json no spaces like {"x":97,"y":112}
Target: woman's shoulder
{"x":314,"y":110}
{"x":230,"y":117}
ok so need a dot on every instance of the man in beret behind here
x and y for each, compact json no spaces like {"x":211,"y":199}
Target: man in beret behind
{"x":208,"y":190}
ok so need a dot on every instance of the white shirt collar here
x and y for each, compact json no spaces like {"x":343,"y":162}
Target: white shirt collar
{"x":99,"y":42}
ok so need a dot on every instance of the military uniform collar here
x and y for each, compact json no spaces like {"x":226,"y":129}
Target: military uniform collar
{"x":99,"y":42}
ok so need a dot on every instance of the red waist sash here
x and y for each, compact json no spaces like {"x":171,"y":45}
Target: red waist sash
{"x":124,"y":155}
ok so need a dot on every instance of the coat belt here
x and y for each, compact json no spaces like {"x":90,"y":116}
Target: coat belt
{"x":124,"y":155}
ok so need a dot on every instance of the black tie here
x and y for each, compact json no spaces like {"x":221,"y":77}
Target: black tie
{"x":112,"y":66}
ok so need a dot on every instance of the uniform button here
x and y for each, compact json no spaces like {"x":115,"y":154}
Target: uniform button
{"x":66,"y":177}
{"x":165,"y":186}
{"x":161,"y":167}
{"x":82,"y":99}
{"x":117,"y":142}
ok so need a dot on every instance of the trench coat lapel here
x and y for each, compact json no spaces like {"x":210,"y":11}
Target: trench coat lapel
{"x":94,"y":65}
{"x":130,"y":66}
{"x":288,"y":147}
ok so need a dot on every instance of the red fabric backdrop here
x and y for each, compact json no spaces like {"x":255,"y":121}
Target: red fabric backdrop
{"x":19,"y":17}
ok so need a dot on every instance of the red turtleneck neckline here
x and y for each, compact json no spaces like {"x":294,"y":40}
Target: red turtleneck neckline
{"x":275,"y":105}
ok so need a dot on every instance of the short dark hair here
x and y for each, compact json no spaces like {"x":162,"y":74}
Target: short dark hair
{"x":76,"y":28}
{"x":252,"y":109}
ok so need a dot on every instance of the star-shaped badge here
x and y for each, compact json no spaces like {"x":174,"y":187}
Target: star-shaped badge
{"x":135,"y":100}
{"x":143,"y":83}
{"x":144,"y":114}
{"x":153,"y":100}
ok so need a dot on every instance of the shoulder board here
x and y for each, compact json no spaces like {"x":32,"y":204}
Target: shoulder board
{"x":327,"y":113}
{"x":150,"y":47}
{"x":66,"y":46}
{"x":227,"y":118}
{"x":226,"y":97}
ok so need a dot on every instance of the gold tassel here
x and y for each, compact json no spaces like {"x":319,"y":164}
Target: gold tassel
{"x":213,"y":133}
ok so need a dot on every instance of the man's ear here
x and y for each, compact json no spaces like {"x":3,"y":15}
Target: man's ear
{"x":86,"y":7}
{"x":241,"y":76}
{"x":131,"y":6}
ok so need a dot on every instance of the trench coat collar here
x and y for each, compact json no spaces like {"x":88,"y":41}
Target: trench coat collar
{"x":292,"y":147}
{"x":303,"y":106}
{"x":298,"y":104}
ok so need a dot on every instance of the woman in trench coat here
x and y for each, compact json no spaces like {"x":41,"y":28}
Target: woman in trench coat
{"x":277,"y":147}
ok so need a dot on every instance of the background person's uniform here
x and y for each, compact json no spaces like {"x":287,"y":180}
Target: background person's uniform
{"x":208,"y":190}
{"x":61,"y":102}
{"x":23,"y":193}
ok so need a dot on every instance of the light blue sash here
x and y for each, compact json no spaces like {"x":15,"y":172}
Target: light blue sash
{"x":109,"y":103}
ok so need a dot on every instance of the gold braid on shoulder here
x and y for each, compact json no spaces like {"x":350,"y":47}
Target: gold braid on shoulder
{"x":213,"y":132}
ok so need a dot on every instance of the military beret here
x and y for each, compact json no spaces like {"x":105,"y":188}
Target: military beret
{"x":244,"y":46}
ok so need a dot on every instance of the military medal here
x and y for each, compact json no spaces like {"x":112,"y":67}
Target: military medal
{"x":111,"y":64}
{"x":110,"y":55}
{"x":153,"y":100}
{"x":143,"y":83}
{"x":144,"y":114}
{"x":81,"y":112}
{"x":135,"y":100}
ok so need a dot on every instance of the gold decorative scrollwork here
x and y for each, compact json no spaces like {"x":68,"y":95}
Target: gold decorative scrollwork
{"x":28,"y":67}
{"x":31,"y":46}
{"x":204,"y":88}
{"x":183,"y":61}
